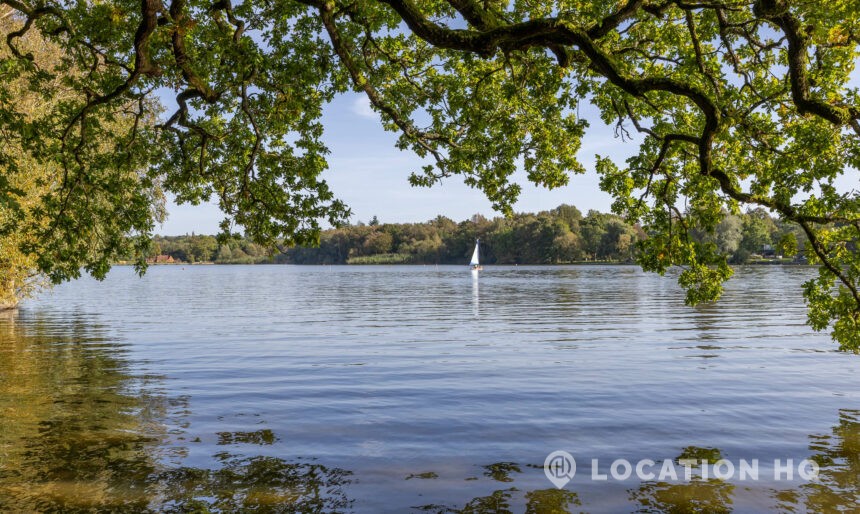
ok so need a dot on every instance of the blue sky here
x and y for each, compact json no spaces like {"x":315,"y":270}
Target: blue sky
{"x":368,"y":173}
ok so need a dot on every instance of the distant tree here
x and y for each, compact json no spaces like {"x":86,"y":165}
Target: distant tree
{"x":504,"y":247}
{"x":202,"y":248}
{"x":592,"y":233}
{"x":566,"y":247}
{"x":254,"y":250}
{"x":377,"y":242}
{"x":758,"y":231}
{"x":443,"y":225}
{"x":617,"y":240}
{"x":225,"y":254}
{"x":428,"y":250}
{"x":569,"y":215}
{"x":239,"y":255}
{"x":729,"y":234}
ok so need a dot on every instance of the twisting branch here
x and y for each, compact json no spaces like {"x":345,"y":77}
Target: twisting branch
{"x":344,"y":52}
{"x":779,"y":13}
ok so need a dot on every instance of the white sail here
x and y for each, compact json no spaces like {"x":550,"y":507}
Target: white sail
{"x":475,"y":256}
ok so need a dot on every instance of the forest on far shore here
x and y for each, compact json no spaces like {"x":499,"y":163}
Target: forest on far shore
{"x":558,"y":236}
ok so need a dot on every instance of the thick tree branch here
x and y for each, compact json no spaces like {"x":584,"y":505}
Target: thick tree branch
{"x":779,"y":12}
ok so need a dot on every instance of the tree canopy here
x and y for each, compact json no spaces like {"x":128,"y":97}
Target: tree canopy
{"x":733,"y":103}
{"x":51,"y":221}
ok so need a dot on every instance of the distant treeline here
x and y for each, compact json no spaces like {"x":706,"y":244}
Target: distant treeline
{"x":561,"y":235}
{"x":201,"y":248}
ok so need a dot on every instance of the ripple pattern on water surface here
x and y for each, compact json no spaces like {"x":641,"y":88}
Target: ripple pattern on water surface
{"x":417,"y":387}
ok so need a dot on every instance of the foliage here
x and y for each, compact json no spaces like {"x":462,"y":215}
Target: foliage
{"x":561,"y":235}
{"x":46,"y":226}
{"x":202,"y":248}
{"x":732,"y":103}
{"x":382,"y":258}
{"x":558,"y":236}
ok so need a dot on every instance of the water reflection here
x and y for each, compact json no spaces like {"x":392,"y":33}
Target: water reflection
{"x":260,"y":437}
{"x":713,"y":496}
{"x":80,"y":432}
{"x":836,"y":489}
{"x":540,"y":501}
{"x":502,"y":471}
{"x":838,"y":486}
{"x":698,"y":495}
{"x":74,"y":431}
{"x":378,"y":371}
{"x":476,"y":297}
{"x":258,"y":484}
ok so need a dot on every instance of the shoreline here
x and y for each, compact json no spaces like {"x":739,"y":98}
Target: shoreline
{"x":578,"y":263}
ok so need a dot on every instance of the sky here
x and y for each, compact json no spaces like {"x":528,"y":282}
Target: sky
{"x":370,"y":175}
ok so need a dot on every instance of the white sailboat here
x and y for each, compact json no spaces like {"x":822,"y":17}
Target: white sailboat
{"x":475,"y":264}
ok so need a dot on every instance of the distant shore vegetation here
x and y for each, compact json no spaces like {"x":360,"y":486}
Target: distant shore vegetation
{"x":559,"y":236}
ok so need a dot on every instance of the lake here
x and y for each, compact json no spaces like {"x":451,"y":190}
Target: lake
{"x":419,"y":389}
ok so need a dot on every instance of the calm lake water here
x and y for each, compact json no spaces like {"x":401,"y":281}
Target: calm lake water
{"x":417,"y":389}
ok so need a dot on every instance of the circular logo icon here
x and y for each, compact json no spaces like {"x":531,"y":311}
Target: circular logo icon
{"x":559,"y":467}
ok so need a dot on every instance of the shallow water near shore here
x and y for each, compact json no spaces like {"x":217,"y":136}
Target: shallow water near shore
{"x":418,"y":389}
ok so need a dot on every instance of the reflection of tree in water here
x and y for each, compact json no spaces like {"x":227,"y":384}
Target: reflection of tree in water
{"x":501,"y":471}
{"x":498,"y":502}
{"x":550,"y":501}
{"x":542,"y":501}
{"x":69,"y":430}
{"x":79,"y":432}
{"x":838,"y":486}
{"x":258,"y":484}
{"x":713,"y":496}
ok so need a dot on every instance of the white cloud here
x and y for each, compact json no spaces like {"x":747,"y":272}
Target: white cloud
{"x":361,"y":106}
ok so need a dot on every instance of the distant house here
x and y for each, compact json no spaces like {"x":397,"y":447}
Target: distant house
{"x":161,"y":259}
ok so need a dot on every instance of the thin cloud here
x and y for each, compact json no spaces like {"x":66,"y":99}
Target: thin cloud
{"x":361,"y":107}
